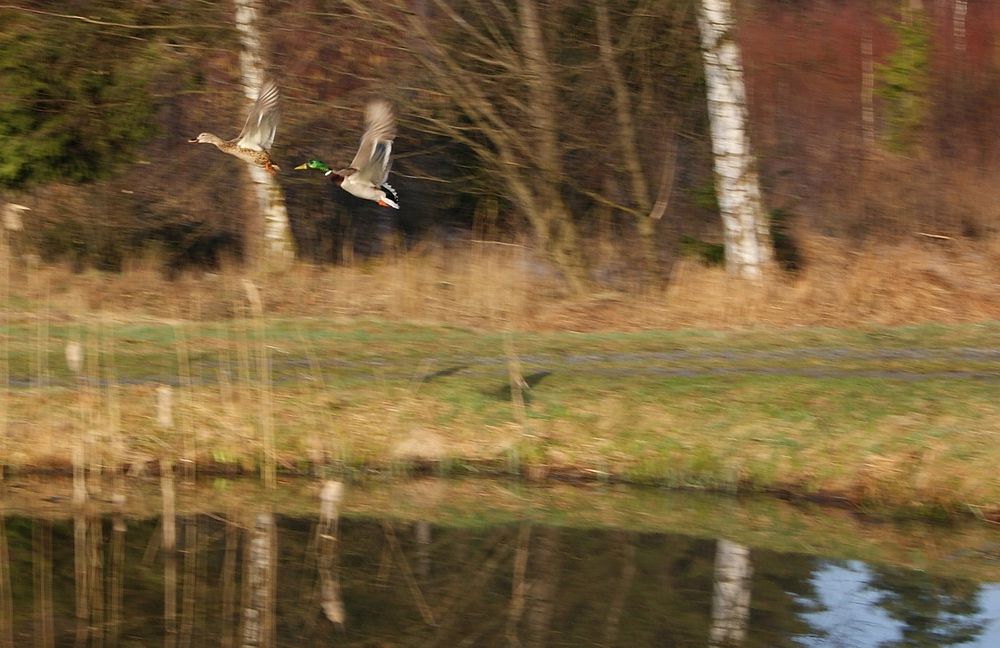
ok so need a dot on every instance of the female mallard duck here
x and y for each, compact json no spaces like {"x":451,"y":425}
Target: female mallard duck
{"x":254,"y":141}
{"x":367,"y":175}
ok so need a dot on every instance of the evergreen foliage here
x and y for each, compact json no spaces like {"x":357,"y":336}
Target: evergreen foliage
{"x":904,"y":79}
{"x":74,"y":101}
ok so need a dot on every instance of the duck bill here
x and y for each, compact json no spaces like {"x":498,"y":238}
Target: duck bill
{"x":304,"y":165}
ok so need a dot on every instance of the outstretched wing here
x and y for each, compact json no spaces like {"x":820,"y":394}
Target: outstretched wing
{"x":262,"y":122}
{"x":372,"y":160}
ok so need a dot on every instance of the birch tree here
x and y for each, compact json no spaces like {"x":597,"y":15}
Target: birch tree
{"x":960,"y":10}
{"x":867,"y":89}
{"x":278,"y":246}
{"x":730,"y":594}
{"x":745,"y":228}
{"x":260,"y":576}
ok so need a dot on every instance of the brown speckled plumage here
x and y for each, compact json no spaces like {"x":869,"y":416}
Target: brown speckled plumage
{"x":254,"y":141}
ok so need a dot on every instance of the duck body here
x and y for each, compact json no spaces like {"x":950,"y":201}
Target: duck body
{"x":366,"y":176}
{"x":350,"y":182}
{"x":259,"y":158}
{"x":254,"y":141}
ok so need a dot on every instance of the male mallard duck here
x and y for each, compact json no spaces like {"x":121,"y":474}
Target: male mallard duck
{"x":369,"y":170}
{"x":255,"y":139}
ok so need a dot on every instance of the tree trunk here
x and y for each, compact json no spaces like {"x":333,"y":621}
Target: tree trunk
{"x":628,"y":139}
{"x":328,"y":547}
{"x":259,"y":585}
{"x":959,"y":12}
{"x":562,"y":235}
{"x":746,"y":237}
{"x":730,"y":594}
{"x":542,"y":587}
{"x":867,"y":90}
{"x":278,"y":248}
{"x":6,"y":593}
{"x":168,"y":545}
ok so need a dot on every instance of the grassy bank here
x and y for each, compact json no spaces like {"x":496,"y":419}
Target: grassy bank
{"x":901,"y":417}
{"x":960,"y":550}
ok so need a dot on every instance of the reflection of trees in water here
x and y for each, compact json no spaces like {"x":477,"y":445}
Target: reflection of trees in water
{"x":41,"y":564}
{"x":783,"y":591}
{"x":331,"y":600}
{"x":6,"y":596}
{"x":932,"y":612}
{"x":519,"y":584}
{"x":260,"y":577}
{"x":730,"y":594}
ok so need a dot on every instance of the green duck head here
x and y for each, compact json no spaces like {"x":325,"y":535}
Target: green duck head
{"x":314,"y":164}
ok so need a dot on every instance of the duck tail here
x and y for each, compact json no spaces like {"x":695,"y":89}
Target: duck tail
{"x":386,"y":185}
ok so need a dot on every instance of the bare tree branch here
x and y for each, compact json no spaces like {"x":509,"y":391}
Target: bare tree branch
{"x":623,"y":108}
{"x":104,"y":23}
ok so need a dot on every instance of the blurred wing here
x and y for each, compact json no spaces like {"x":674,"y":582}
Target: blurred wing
{"x":262,"y":122}
{"x":372,"y":160}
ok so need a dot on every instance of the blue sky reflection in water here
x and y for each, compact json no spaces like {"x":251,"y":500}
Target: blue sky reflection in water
{"x":853,"y":617}
{"x":407,"y":583}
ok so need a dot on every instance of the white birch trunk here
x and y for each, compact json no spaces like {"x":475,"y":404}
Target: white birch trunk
{"x":260,"y":580}
{"x":867,"y":89}
{"x":959,"y":12}
{"x":744,"y":223}
{"x":278,"y":246}
{"x":327,"y":543}
{"x":730,"y":595}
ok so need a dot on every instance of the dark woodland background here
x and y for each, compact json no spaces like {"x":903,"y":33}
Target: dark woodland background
{"x":94,"y":122}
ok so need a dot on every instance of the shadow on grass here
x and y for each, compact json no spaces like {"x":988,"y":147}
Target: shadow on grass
{"x":443,"y":373}
{"x":531,"y":379}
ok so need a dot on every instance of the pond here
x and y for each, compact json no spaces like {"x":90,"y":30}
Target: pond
{"x":477,"y":562}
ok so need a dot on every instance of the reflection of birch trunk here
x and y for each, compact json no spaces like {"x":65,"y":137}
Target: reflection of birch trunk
{"x":617,"y":604}
{"x":6,"y":599}
{"x":730,"y":594}
{"x":271,"y":200}
{"x":41,"y":559}
{"x":169,"y":545}
{"x":737,"y":187}
{"x":190,"y":585}
{"x":258,"y":606}
{"x":116,"y":569}
{"x":542,"y":588}
{"x":518,"y":587}
{"x":229,"y":583}
{"x":80,"y":570}
{"x":327,"y":542}
{"x":95,"y":579}
{"x":422,"y":531}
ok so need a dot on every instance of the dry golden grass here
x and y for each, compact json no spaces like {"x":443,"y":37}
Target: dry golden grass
{"x":767,"y":435}
{"x":921,"y":444}
{"x":492,"y":285}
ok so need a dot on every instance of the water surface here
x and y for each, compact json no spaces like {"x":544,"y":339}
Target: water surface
{"x":479,"y":563}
